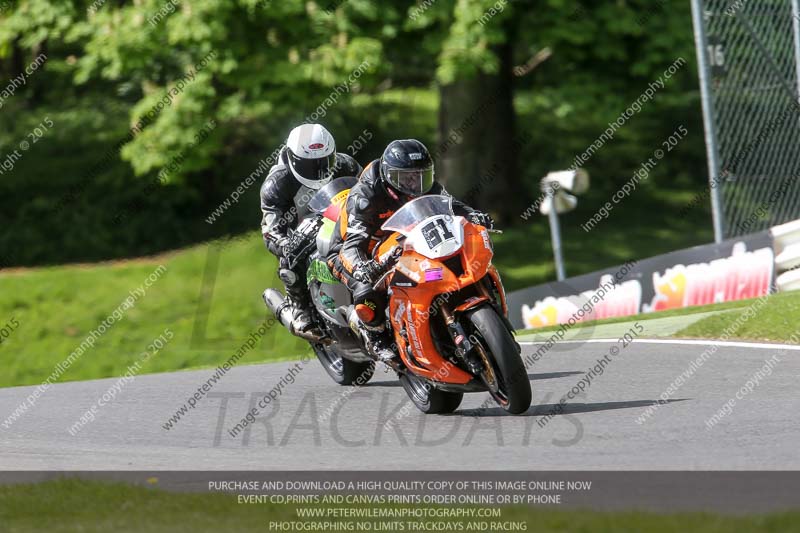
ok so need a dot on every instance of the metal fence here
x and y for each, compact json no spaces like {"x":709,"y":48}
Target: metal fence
{"x":749,"y":64}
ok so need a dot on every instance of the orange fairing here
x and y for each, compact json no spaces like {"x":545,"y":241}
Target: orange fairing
{"x":386,"y":247}
{"x":418,"y":282}
{"x":341,"y":212}
{"x":500,"y":289}
{"x":337,"y":205}
{"x":477,"y":252}
{"x":472,"y":301}
{"x":413,"y":315}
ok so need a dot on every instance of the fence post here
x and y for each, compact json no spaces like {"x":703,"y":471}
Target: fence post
{"x":714,"y":179}
{"x":796,"y":31}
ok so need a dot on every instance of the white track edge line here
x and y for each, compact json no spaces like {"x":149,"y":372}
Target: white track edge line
{"x":701,"y":342}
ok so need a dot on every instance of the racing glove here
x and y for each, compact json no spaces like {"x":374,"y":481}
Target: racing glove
{"x":368,"y":272}
{"x":301,"y":241}
{"x":293,"y":245}
{"x":482,"y":219}
{"x":275,"y":244}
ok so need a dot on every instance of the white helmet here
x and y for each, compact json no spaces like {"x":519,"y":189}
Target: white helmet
{"x":311,"y":155}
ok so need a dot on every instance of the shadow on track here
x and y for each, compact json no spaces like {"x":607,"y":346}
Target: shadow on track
{"x":569,"y":408}
{"x":552,"y":375}
{"x":532,"y":377}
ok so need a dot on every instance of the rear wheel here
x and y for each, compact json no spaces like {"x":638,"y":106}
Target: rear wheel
{"x":343,"y":371}
{"x":428,"y":399}
{"x":506,"y":378}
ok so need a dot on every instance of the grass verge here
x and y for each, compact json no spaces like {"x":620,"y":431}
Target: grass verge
{"x":210,"y":301}
{"x":778,"y":321}
{"x":775,"y":321}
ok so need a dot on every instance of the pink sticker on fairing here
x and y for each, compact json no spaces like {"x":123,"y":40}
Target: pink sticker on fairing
{"x":434,"y":274}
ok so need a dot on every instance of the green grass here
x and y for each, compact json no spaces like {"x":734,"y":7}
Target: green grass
{"x":57,"y":307}
{"x":776,"y":321}
{"x":69,"y":505}
{"x":649,"y":316}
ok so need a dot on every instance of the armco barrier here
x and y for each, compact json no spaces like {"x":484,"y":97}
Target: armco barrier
{"x":736,"y":269}
{"x":786,"y":239}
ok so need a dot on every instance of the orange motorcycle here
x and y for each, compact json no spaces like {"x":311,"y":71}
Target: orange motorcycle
{"x":447,"y":310}
{"x":447,"y":306}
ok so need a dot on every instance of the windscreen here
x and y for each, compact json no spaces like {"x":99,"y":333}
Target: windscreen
{"x":322,"y":199}
{"x":415,"y":211}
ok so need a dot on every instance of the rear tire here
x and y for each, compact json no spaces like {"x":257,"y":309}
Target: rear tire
{"x":428,"y":399}
{"x":343,"y":371}
{"x":504,"y":353}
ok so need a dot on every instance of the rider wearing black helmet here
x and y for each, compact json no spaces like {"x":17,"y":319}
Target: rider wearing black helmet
{"x":404,"y":172}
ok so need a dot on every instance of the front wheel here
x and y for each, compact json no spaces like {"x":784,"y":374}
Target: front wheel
{"x":343,"y":371}
{"x":429,"y":400}
{"x":505,"y":375}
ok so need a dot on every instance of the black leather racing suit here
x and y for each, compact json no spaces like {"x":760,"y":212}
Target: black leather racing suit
{"x":284,"y":203}
{"x":369,"y":205}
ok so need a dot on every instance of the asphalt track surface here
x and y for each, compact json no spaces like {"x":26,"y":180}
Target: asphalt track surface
{"x":315,"y":424}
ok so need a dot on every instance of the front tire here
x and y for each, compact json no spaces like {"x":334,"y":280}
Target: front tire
{"x":503,"y":353}
{"x":428,"y":399}
{"x":343,"y":371}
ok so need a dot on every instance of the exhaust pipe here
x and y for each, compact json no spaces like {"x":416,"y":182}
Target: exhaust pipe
{"x":276,"y":302}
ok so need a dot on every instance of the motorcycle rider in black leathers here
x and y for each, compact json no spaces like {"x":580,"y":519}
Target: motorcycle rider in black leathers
{"x":307,"y":162}
{"x":404,"y":172}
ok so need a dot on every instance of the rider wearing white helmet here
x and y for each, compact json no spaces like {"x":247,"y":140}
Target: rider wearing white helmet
{"x":307,"y":162}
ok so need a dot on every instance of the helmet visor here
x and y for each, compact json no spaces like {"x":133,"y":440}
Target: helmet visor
{"x":312,"y":169}
{"x":410,"y":181}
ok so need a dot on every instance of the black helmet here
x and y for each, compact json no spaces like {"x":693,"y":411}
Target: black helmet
{"x":407,"y":167}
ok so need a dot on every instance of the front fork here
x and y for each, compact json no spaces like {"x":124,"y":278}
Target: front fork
{"x":469,"y":351}
{"x":463,"y":344}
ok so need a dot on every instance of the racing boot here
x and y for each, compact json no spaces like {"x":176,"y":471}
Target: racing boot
{"x":298,"y":300}
{"x":301,"y":313}
{"x":379,"y":344}
{"x":377,"y":339}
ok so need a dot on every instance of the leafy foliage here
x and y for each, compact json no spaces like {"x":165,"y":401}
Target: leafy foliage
{"x":165,"y":69}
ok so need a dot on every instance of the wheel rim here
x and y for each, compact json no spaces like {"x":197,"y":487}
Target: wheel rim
{"x":496,"y":391}
{"x":499,"y":396}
